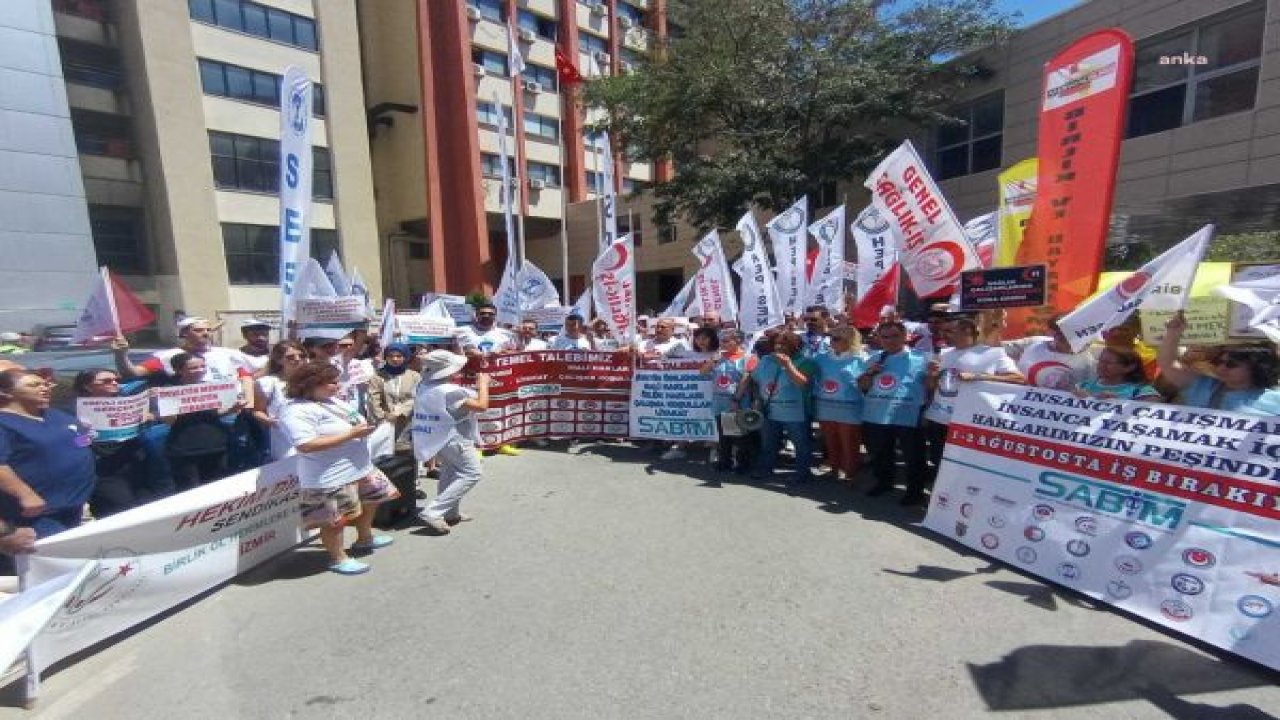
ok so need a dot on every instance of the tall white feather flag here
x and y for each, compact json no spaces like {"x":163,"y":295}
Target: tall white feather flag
{"x":337,"y":275}
{"x":826,"y":287}
{"x":759,"y":308}
{"x":786,"y":231}
{"x":681,"y":301}
{"x":295,"y":185}
{"x":1162,"y":284}
{"x":712,"y":285}
{"x":613,"y":287}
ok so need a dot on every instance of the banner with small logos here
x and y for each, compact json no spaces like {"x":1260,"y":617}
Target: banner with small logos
{"x":671,"y":400}
{"x":155,"y":556}
{"x":1168,"y":512}
{"x":556,"y":393}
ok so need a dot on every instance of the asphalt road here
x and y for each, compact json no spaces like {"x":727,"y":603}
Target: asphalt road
{"x":605,"y":584}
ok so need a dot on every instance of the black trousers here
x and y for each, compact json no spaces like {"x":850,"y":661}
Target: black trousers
{"x":935,"y":435}
{"x":193,"y":470}
{"x":881,"y":440}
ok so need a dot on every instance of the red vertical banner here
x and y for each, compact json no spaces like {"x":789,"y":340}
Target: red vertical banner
{"x":1082,"y":113}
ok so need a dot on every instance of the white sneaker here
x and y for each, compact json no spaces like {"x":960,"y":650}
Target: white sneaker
{"x":674,"y":453}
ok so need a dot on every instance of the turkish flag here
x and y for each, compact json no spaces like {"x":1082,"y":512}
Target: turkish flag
{"x":883,"y":292}
{"x":130,"y":310}
{"x":569,"y":74}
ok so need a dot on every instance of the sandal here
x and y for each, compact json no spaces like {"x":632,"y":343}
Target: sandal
{"x":350,"y":566}
{"x":377,"y":542}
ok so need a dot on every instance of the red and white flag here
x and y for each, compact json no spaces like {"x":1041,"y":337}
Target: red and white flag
{"x":713,"y":287}
{"x":934,"y":248}
{"x":883,"y":293}
{"x":111,"y":310}
{"x":613,"y":288}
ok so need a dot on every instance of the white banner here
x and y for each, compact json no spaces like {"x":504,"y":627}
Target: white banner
{"x":712,"y":284}
{"x":387,"y":328}
{"x":760,"y":308}
{"x":535,"y":288}
{"x":877,"y":241}
{"x":426,"y":330}
{"x":787,"y":233}
{"x":934,"y":249}
{"x":113,"y":419}
{"x":153,"y":557}
{"x":1162,"y":284}
{"x":671,"y":400}
{"x":344,"y":313}
{"x":1256,"y":291}
{"x":181,"y":399}
{"x":548,"y":319}
{"x":295,"y":185}
{"x":613,"y":288}
{"x":826,"y":287}
{"x":608,"y":195}
{"x":24,"y":616}
{"x":1170,"y":513}
{"x":98,"y":319}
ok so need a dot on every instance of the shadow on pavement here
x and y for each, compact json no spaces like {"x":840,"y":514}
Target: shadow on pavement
{"x":1049,"y":676}
{"x":294,"y":564}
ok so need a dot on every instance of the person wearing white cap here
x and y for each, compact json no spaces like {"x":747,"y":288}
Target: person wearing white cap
{"x":445,"y":427}
{"x":257,"y":342}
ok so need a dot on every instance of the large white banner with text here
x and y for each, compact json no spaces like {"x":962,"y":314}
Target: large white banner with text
{"x":671,"y":400}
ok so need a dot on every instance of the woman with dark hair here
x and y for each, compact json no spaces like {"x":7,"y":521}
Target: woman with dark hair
{"x":269,"y":396}
{"x":392,"y":390}
{"x":727,"y":371}
{"x":120,"y":463}
{"x":46,"y":467}
{"x":1120,"y":375}
{"x":706,"y":343}
{"x":838,"y":401}
{"x":340,"y":484}
{"x":197,"y":442}
{"x":1244,"y":376}
{"x":782,"y":385}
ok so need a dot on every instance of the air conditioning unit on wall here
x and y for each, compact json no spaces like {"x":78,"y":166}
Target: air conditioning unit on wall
{"x":527,"y":35}
{"x":473,"y":13}
{"x":532,"y":86}
{"x":537,"y":184}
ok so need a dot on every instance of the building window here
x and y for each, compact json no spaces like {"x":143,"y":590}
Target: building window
{"x":119,"y":237}
{"x":595,"y":181}
{"x":667,"y":234}
{"x":544,"y":76}
{"x":93,"y":65}
{"x":635,"y":186}
{"x":592,"y":43}
{"x":1197,"y":73}
{"x":257,"y":20}
{"x":632,"y":13}
{"x":542,"y":126}
{"x":252,"y":164}
{"x":494,"y":10}
{"x":419,"y":250}
{"x":491,"y":165}
{"x":543,"y":27}
{"x":548,"y":174}
{"x":631,"y":224}
{"x":487,"y":113}
{"x":253,"y":252}
{"x":102,"y":134}
{"x":253,"y":86}
{"x":974,"y":144}
{"x":492,"y":62}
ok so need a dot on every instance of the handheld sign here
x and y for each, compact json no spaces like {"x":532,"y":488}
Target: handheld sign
{"x":1020,"y":286}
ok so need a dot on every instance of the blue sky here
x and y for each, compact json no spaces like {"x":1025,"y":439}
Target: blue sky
{"x":1036,"y":10}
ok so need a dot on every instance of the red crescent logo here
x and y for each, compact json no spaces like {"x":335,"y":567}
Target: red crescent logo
{"x":1051,"y":374}
{"x":886,"y":381}
{"x":1133,"y":285}
{"x":940,"y":260}
{"x":621,"y":250}
{"x":830,"y":387}
{"x":723,"y":381}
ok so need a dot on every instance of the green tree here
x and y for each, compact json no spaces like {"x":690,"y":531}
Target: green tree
{"x":1245,"y":247}
{"x":764,"y":100}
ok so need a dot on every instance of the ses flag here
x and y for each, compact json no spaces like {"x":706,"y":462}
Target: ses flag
{"x":535,"y":288}
{"x":877,"y":243}
{"x":760,"y":308}
{"x":613,"y":288}
{"x":786,"y":231}
{"x":295,"y":185}
{"x":712,"y":285}
{"x":826,"y":286}
{"x":934,"y":248}
{"x":1162,"y":284}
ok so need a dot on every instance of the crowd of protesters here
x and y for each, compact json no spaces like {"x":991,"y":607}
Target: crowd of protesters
{"x":828,"y":395}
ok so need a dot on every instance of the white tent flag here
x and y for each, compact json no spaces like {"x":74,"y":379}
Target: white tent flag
{"x":515,"y":61}
{"x":507,"y":297}
{"x":984,"y":235}
{"x":877,"y":243}
{"x":760,"y":307}
{"x":934,"y":249}
{"x":1162,"y":284}
{"x":99,"y":318}
{"x":613,"y":288}
{"x":535,"y":288}
{"x":24,"y":616}
{"x":712,"y":284}
{"x":295,"y":185}
{"x":826,"y":287}
{"x":786,"y":231}
{"x":337,"y":275}
{"x":680,"y":302}
{"x":582,"y":306}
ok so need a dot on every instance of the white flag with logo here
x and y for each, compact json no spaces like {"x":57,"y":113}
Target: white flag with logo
{"x":712,"y":284}
{"x":680,"y":302}
{"x":826,"y":287}
{"x":295,"y":185}
{"x":760,"y":307}
{"x":1262,"y":297}
{"x":877,"y":243}
{"x":613,"y":288}
{"x":786,"y":231}
{"x":313,"y":281}
{"x":984,"y":235}
{"x":536,"y":289}
{"x":1162,"y":284}
{"x":507,"y":298}
{"x":934,"y":248}
{"x":337,"y":275}
{"x":23,"y":617}
{"x":387,"y":329}
{"x":99,"y":318}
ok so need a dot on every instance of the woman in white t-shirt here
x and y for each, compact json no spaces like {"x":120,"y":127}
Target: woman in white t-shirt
{"x":268,"y":394}
{"x":340,"y":484}
{"x":1048,"y":362}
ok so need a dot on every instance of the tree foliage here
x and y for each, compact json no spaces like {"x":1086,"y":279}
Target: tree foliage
{"x":1245,"y":247}
{"x":764,"y":100}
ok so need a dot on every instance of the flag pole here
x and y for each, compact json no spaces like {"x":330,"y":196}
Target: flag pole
{"x":564,"y":207}
{"x":111,"y":300}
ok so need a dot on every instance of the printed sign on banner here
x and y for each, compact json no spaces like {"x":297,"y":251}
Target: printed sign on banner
{"x":113,"y":419}
{"x":422,"y":330}
{"x":1002,"y":288}
{"x":180,"y":399}
{"x":158,"y":555}
{"x":332,"y":313}
{"x":1170,"y":513}
{"x":671,"y":400}
{"x":549,"y":319}
{"x":556,"y":393}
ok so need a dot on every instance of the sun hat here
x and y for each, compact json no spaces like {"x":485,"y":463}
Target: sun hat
{"x":254,"y":322}
{"x":190,"y":320}
{"x":441,"y":364}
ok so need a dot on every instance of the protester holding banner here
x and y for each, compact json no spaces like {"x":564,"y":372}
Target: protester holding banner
{"x":527,"y":339}
{"x":1120,"y":374}
{"x":119,"y":464}
{"x":1048,"y":362}
{"x":838,"y":401}
{"x":197,"y":442}
{"x":340,"y":484}
{"x":46,"y":467}
{"x":445,"y":428}
{"x":895,"y":391}
{"x":727,"y":371}
{"x":573,"y":336}
{"x":484,"y":337}
{"x":269,"y":393}
{"x":1127,"y":336}
{"x":664,"y":343}
{"x":391,"y":392}
{"x":782,"y":381}
{"x":1245,"y":377}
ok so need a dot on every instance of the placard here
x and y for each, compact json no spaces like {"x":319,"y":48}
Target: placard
{"x":421,"y":330}
{"x":671,"y":400}
{"x":347,"y":312}
{"x":181,"y":399}
{"x":113,"y":419}
{"x":549,"y":319}
{"x":991,"y":288}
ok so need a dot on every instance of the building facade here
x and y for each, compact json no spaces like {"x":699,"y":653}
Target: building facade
{"x":174,"y":110}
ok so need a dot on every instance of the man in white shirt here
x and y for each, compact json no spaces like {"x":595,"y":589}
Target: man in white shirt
{"x":664,"y":343}
{"x":528,"y":340}
{"x":485,"y":338}
{"x":572,"y":337}
{"x":257,"y":342}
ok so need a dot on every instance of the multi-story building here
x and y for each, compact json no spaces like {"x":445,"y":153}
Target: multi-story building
{"x":174,"y":110}
{"x":442,"y":221}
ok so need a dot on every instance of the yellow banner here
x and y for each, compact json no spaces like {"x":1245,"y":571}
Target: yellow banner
{"x":1017,"y":195}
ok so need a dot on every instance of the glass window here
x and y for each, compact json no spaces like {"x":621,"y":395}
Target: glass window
{"x":253,"y":251}
{"x":317,"y":99}
{"x":667,"y":234}
{"x":493,"y":63}
{"x":592,"y":43}
{"x":252,"y":164}
{"x":119,"y":237}
{"x":548,"y":174}
{"x":1231,"y":41}
{"x":201,"y":10}
{"x":239,"y":82}
{"x":212,"y":79}
{"x":542,"y":126}
{"x":595,"y":181}
{"x":1156,"y":111}
{"x":490,"y":165}
{"x":491,"y":9}
{"x":632,"y":13}
{"x":255,"y":20}
{"x":266,"y":88}
{"x":1225,"y":94}
{"x":255,"y":86}
{"x":545,"y":77}
{"x":304,"y":32}
{"x":321,"y":174}
{"x":974,"y":144}
{"x":228,"y":14}
{"x":545,"y":28}
{"x":487,"y":113}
